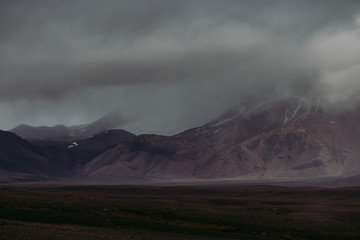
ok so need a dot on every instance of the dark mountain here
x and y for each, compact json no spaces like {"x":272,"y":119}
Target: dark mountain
{"x":276,"y":139}
{"x":63,"y":133}
{"x":43,"y":132}
{"x":22,"y":160}
{"x":287,"y":139}
{"x":18,"y":160}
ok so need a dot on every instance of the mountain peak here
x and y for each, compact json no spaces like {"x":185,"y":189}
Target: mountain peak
{"x":60,"y":132}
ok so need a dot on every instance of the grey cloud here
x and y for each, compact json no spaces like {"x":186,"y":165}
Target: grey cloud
{"x":185,"y":55}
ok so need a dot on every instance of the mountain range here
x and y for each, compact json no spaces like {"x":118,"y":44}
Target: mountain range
{"x":112,"y":120}
{"x":276,"y":139}
{"x":24,"y":160}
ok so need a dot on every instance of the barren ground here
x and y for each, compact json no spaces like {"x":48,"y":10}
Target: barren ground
{"x":182,"y":212}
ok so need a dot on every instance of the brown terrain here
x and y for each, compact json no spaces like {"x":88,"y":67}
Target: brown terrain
{"x":219,"y":175}
{"x":279,"y":139}
{"x":183,"y":212}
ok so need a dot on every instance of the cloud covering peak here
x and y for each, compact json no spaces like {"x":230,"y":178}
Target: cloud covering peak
{"x":177,"y":63}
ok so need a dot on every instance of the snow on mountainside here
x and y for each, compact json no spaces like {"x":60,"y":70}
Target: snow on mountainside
{"x":275,"y":139}
{"x":288,"y":138}
{"x":22,"y":160}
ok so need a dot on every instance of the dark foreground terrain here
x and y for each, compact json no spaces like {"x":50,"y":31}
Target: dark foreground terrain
{"x":186,"y":212}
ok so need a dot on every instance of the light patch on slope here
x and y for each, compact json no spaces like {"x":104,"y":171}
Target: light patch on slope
{"x":264,"y":128}
{"x":217,"y":131}
{"x":222,"y":121}
{"x":74,"y":144}
{"x":297,"y":109}
{"x":286,"y":117}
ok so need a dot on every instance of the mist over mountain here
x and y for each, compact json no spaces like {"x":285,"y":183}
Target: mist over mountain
{"x":171,"y":65}
{"x":112,"y":120}
{"x":36,"y":160}
{"x":179,"y":119}
{"x":290,"y":138}
{"x":282,"y":75}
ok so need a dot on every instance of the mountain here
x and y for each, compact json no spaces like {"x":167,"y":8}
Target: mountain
{"x":18,"y":160}
{"x":23,"y":160}
{"x":43,"y":132}
{"x":77,"y":152}
{"x":63,"y":133}
{"x":276,"y":139}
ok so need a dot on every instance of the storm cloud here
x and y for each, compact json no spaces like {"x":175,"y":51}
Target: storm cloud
{"x":171,"y":64}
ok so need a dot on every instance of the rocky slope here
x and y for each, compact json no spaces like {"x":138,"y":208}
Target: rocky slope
{"x":276,"y":139}
{"x":22,"y":160}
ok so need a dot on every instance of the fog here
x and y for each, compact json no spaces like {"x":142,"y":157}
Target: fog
{"x":171,"y":65}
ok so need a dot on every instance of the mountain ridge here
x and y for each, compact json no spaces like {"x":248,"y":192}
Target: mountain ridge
{"x":287,"y":139}
{"x":62,"y":133}
{"x":24,"y":160}
{"x":276,"y":139}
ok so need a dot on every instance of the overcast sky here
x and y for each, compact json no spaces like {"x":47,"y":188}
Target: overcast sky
{"x":170,"y":64}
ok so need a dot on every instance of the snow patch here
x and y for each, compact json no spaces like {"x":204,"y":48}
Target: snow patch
{"x":286,"y":116}
{"x":222,"y":121}
{"x":297,"y":109}
{"x":74,"y":144}
{"x":200,"y":128}
{"x":217,"y":131}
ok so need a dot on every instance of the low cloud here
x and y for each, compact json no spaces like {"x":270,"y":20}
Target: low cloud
{"x":72,"y":61}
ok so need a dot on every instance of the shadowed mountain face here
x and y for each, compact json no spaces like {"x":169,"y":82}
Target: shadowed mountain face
{"x":63,"y":133}
{"x":22,"y":160}
{"x":282,"y":139}
{"x":275,"y":139}
{"x":18,"y":160}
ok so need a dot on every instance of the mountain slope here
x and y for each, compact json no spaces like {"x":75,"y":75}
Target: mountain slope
{"x":18,"y":160}
{"x":278,"y":139}
{"x":275,"y":139}
{"x":35,"y":160}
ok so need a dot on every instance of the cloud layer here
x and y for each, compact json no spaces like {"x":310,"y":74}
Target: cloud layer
{"x":172,"y":64}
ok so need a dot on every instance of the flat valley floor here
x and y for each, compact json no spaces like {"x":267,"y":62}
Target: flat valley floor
{"x":180,"y":212}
